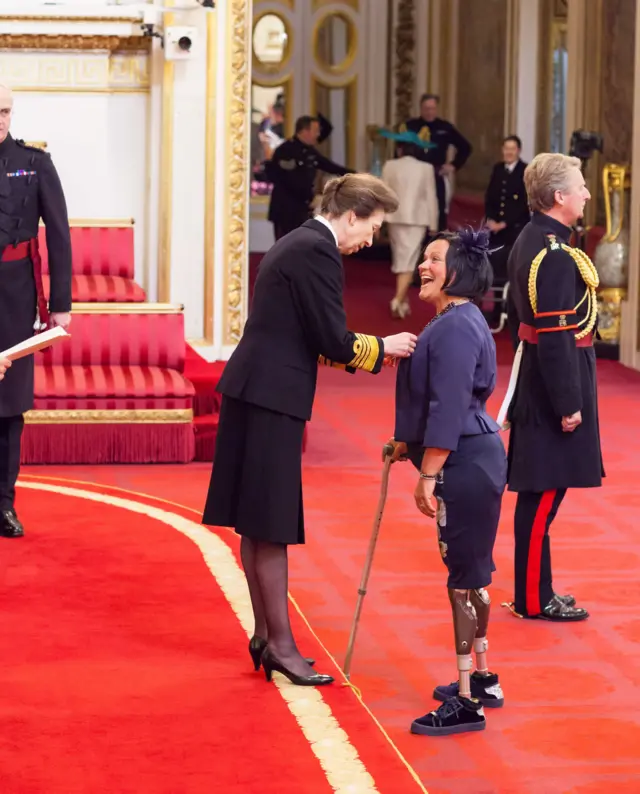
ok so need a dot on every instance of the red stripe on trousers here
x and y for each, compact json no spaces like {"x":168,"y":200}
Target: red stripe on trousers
{"x":534,"y":560}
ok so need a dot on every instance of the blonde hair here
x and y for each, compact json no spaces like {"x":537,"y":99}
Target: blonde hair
{"x":546,"y":174}
{"x":362,"y":193}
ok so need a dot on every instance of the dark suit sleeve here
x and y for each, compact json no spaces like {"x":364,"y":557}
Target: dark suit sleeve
{"x":53,"y":210}
{"x":555,"y":323}
{"x":463,"y":148}
{"x":329,"y":167}
{"x":317,"y":288}
{"x":453,"y":352}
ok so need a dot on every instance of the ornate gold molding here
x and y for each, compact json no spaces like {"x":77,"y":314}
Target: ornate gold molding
{"x":405,"y":64}
{"x":142,"y":416}
{"x":95,"y":72}
{"x":127,"y":308}
{"x":210,"y":176}
{"x":238,"y":104}
{"x":72,"y":41}
{"x":318,"y":4}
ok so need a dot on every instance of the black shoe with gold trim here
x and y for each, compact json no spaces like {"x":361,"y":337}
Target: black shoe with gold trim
{"x":10,"y":526}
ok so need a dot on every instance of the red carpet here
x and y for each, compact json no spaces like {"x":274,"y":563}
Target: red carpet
{"x":569,"y":725}
{"x":125,"y":669}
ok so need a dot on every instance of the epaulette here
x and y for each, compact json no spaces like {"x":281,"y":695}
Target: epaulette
{"x":28,"y":146}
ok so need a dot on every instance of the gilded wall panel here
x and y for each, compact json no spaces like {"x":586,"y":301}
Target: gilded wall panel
{"x":481,"y":87}
{"x":617,"y":79}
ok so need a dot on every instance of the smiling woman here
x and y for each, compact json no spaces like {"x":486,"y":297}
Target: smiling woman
{"x":443,"y":427}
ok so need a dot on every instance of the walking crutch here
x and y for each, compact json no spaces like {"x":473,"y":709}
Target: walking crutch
{"x":387,"y":451}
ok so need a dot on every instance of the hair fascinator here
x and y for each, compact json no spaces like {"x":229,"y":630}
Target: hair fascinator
{"x":476,"y":242}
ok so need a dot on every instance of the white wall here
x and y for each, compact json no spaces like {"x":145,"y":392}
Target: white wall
{"x":98,"y":145}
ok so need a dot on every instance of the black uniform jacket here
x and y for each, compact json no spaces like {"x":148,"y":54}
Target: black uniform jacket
{"x":443,"y":134}
{"x":557,"y":377}
{"x":297,"y":318}
{"x":293,"y":169}
{"x":30,"y":190}
{"x":505,"y":201}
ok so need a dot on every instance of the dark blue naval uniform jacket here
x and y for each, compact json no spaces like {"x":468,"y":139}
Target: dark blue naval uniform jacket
{"x":442,"y":389}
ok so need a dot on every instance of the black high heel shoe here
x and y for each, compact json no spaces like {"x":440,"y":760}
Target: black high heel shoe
{"x":271,"y":664}
{"x":257,"y":646}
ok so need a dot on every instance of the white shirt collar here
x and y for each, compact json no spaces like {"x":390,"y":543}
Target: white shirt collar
{"x":323,"y":220}
{"x":510,"y":166}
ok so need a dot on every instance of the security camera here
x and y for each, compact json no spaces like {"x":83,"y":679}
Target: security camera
{"x":180,"y":42}
{"x":206,"y":3}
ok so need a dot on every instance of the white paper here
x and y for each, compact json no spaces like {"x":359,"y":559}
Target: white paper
{"x":34,"y":343}
{"x":513,"y":380}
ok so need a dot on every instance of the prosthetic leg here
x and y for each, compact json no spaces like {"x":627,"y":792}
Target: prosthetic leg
{"x":482,"y":604}
{"x":459,"y":712}
{"x":483,"y":684}
{"x":465,"y":624}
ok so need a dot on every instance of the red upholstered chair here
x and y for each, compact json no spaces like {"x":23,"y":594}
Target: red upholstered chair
{"x":114,"y":392}
{"x":103,"y":263}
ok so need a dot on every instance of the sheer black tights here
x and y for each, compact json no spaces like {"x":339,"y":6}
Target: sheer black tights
{"x":266,"y":567}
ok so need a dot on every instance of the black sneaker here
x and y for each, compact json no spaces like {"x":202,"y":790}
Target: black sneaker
{"x":456,"y":715}
{"x":485,"y":688}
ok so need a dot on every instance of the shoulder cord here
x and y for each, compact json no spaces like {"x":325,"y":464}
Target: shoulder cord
{"x":589,"y":275}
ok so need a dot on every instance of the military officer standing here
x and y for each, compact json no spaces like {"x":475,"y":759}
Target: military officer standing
{"x":29,"y":190}
{"x":506,"y":209}
{"x":443,"y":134}
{"x":293,"y":169}
{"x":555,"y":438}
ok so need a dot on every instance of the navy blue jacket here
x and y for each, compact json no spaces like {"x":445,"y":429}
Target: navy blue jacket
{"x":442,"y":390}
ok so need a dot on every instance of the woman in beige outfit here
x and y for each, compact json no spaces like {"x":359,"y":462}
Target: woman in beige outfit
{"x":414,"y":183}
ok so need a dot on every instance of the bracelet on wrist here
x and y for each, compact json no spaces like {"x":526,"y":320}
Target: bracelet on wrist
{"x":424,"y":476}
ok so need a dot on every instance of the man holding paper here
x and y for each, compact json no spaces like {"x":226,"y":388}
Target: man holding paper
{"x":30,"y":190}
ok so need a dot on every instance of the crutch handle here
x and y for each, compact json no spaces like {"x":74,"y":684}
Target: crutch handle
{"x":387,"y":451}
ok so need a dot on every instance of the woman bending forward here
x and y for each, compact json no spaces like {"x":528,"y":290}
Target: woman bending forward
{"x":442,"y":426}
{"x":268,"y":387}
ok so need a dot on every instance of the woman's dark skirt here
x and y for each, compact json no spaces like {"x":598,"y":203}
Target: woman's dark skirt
{"x":256,"y":481}
{"x":469,"y":495}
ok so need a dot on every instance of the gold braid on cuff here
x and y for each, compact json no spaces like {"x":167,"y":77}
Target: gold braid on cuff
{"x":366,"y":352}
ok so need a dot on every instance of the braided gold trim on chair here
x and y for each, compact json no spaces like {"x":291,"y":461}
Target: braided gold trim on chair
{"x":128,"y":416}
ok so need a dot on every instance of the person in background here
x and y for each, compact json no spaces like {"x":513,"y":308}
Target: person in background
{"x":506,"y":212}
{"x":29,"y":190}
{"x":413,"y":181}
{"x":443,"y":427}
{"x":554,"y":442}
{"x":297,"y":320}
{"x":429,"y":127}
{"x":293,"y":169}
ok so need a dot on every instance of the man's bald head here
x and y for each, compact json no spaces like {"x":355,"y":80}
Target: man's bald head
{"x":6,"y":106}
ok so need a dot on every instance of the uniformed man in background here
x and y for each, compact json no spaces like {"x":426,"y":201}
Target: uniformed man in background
{"x":293,"y":169}
{"x":555,"y":437}
{"x":506,"y":211}
{"x":29,"y":190}
{"x":443,"y":134}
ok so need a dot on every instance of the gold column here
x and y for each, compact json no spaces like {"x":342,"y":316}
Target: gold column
{"x":166,"y":173}
{"x":443,"y":67}
{"x":584,"y":47}
{"x":630,"y":330}
{"x":511,"y":67}
{"x":238,"y":88}
{"x":210,"y":176}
